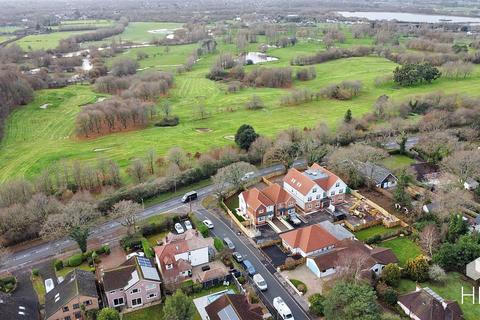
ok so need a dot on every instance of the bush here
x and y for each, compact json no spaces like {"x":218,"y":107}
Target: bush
{"x":168,"y":122}
{"x":436,"y":273}
{"x":58,"y":264}
{"x":374,"y":239}
{"x":241,"y":280}
{"x":302,"y":287}
{"x":417,"y":269}
{"x":391,"y":274}
{"x":35,"y":272}
{"x":106,"y":249}
{"x":316,"y":304}
{"x":147,"y":248}
{"x":387,"y":293}
{"x":7,"y":284}
{"x":187,"y":287}
{"x":203,"y":229}
{"x":345,"y":90}
{"x":218,"y":243}
{"x":75,"y":260}
{"x":306,"y":74}
{"x":131,"y":242}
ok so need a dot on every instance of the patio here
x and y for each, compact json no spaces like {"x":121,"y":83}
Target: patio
{"x":302,"y":273}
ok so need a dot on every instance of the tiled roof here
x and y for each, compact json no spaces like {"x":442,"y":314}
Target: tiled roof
{"x":309,"y":238}
{"x":374,"y":171}
{"x":255,"y":198}
{"x":76,"y":283}
{"x":240,"y":308}
{"x":298,"y":181}
{"x":315,"y":175}
{"x":425,"y":306}
{"x":327,"y":183}
{"x":276,"y":193}
{"x":120,"y":276}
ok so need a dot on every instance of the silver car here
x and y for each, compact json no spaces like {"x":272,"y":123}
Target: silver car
{"x":229,"y":243}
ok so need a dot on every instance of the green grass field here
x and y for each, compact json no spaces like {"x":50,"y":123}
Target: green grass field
{"x":34,"y":137}
{"x":450,"y":290}
{"x":9,"y":29}
{"x":403,"y":247}
{"x":397,"y":162}
{"x":372,"y":231}
{"x":45,"y":41}
{"x":5,"y":38}
{"x":138,"y":32}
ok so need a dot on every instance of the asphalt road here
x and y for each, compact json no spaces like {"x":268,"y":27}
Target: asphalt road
{"x":223,"y":228}
{"x":411,"y":142}
{"x":106,"y":232}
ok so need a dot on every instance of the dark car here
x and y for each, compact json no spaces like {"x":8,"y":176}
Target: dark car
{"x":237,"y":256}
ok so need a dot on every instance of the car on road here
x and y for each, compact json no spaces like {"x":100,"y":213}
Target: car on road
{"x":208,"y":223}
{"x":133,"y":254}
{"x":179,"y":228}
{"x":249,"y":267}
{"x":282,"y":308}
{"x":247,"y":176}
{"x":237,"y":256}
{"x":229,"y":243}
{"x":294,"y":219}
{"x":260,"y":282}
{"x":189,"y":196}
{"x":188,"y":224}
{"x":49,"y":285}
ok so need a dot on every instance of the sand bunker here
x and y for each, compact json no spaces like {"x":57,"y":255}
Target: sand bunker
{"x":202,"y":130}
{"x":231,"y":138}
{"x":44,"y":106}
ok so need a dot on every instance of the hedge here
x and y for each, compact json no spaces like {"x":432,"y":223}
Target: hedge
{"x":200,"y":226}
{"x":7,"y":284}
{"x":218,"y":243}
{"x":58,"y":264}
{"x":131,"y":242}
{"x":75,"y":260}
{"x":147,"y":248}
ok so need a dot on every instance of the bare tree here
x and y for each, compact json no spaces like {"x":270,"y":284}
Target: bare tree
{"x":126,"y":211}
{"x":166,"y":108}
{"x":5,"y":254}
{"x":430,"y":239}
{"x":176,"y":155}
{"x":351,"y":266}
{"x":283,"y":151}
{"x":150,"y":160}
{"x":231,"y":177}
{"x":173,"y":173}
{"x":137,"y":170}
{"x":464,"y":164}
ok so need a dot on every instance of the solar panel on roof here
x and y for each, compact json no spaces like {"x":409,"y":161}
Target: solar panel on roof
{"x":144,"y":262}
{"x":228,"y":313}
{"x":150,"y":273}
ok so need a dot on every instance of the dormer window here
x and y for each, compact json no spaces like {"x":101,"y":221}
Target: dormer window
{"x":169,"y":266}
{"x":337,"y":184}
{"x":314,"y":190}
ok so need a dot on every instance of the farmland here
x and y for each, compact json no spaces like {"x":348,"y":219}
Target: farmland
{"x":37,"y":137}
{"x":45,"y":41}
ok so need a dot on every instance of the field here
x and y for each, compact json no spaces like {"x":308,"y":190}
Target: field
{"x":397,"y":162}
{"x":9,"y":29}
{"x":45,"y":41}
{"x":450,"y":290}
{"x":403,"y":247}
{"x":36,"y":137}
{"x":4,"y":38}
{"x":372,"y":231}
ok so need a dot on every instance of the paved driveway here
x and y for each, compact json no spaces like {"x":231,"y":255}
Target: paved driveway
{"x":250,"y":252}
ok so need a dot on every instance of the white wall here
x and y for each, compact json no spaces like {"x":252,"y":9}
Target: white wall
{"x":314,"y":268}
{"x":241,"y":204}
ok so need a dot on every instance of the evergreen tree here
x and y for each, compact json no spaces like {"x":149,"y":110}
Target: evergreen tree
{"x":348,"y":116}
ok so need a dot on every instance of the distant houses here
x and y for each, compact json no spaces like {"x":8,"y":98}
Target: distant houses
{"x":233,"y":307}
{"x":380,"y":176}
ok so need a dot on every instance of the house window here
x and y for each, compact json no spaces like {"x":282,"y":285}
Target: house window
{"x":324,"y":194}
{"x":151,"y":286}
{"x":337,"y":184}
{"x":260,"y":211}
{"x":317,"y":204}
{"x":88,"y":302}
{"x":136,"y":302}
{"x":309,"y":199}
{"x":332,"y":193}
{"x":340,"y":191}
{"x":151,"y":296}
{"x":169,"y":266}
{"x":314,"y":190}
{"x":65,"y":309}
{"x":78,"y":315}
{"x":118,"y":302}
{"x":113,"y":291}
{"x":309,"y":206}
{"x":135,"y":291}
{"x":76,"y":306}
{"x":67,"y":318}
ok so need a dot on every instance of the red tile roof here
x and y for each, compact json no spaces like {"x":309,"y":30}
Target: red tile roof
{"x":327,"y":183}
{"x":309,"y":238}
{"x":254,"y":198}
{"x":300,"y":182}
{"x":277,"y":194}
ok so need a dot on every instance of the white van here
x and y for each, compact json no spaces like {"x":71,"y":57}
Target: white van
{"x":282,"y":309}
{"x":189,"y":196}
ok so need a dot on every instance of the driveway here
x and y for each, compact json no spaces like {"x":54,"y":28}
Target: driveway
{"x":47,"y":271}
{"x":250,"y":252}
{"x":276,"y":255}
{"x":302,"y":273}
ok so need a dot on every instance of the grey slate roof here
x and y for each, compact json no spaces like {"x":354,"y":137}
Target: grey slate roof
{"x":374,"y":171}
{"x":337,"y":230}
{"x":18,"y":308}
{"x":76,"y":283}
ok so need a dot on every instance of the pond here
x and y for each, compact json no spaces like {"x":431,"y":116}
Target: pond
{"x":257,"y":57}
{"x":408,"y":17}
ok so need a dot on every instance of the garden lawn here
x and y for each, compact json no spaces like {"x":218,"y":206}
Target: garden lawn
{"x":150,"y":313}
{"x":380,"y":229}
{"x":403,"y":247}
{"x":39,"y":287}
{"x":138,"y":32}
{"x":84,"y":266}
{"x":451,"y":290}
{"x":35,"y":138}
{"x":397,"y":162}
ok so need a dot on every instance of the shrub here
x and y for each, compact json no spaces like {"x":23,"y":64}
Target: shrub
{"x":255,"y":103}
{"x":35,"y":272}
{"x":345,"y":90}
{"x":417,"y":269}
{"x":147,"y":248}
{"x":436,"y":273}
{"x":75,"y":260}
{"x":203,"y":229}
{"x":187,"y":287}
{"x":387,"y":293}
{"x":241,"y":280}
{"x":131,"y":242}
{"x":168,"y":122}
{"x":391,"y":274}
{"x":58,"y":264}
{"x":106,"y":249}
{"x":374,"y":239}
{"x":218,"y":243}
{"x":316,"y":304}
{"x":306,"y":74}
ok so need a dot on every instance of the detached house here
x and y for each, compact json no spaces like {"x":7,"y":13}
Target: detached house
{"x":314,"y":188}
{"x":425,"y":304}
{"x":260,"y":205}
{"x":308,"y":241}
{"x":134,"y":283}
{"x":65,"y":300}
{"x":374,"y":260}
{"x":179,"y":254}
{"x":380,"y":176}
{"x":233,"y":307}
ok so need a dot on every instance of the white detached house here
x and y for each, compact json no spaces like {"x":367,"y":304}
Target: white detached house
{"x":314,"y":188}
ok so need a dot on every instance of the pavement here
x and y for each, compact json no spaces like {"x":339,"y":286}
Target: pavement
{"x":411,"y":142}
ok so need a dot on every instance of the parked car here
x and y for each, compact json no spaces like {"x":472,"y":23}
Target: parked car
{"x":205,"y":268}
{"x":208,"y":223}
{"x":189,"y":196}
{"x":237,"y":256}
{"x":133,"y":254}
{"x":260,"y":282}
{"x":49,"y":285}
{"x":249,"y":267}
{"x":179,"y":228}
{"x":229,"y":243}
{"x":282,"y":308}
{"x":188,"y":224}
{"x":248,"y":175}
{"x":294,"y":219}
